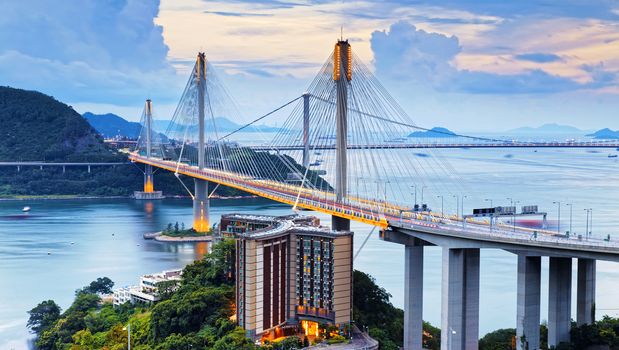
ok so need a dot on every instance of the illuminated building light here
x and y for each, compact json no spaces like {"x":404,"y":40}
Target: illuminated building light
{"x":336,"y":62}
{"x":349,"y":63}
{"x":148,"y":185}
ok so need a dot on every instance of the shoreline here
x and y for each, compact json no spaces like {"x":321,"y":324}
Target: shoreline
{"x":160,"y":237}
{"x":74,"y":197}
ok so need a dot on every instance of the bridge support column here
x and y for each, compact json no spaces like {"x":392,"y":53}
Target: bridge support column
{"x":559,"y":300}
{"x":342,"y":73}
{"x":460,"y":299}
{"x":64,"y":169}
{"x":88,"y":169}
{"x":413,"y":297}
{"x":200,"y":200}
{"x":201,"y":206}
{"x":585,"y":294}
{"x":528,"y":304}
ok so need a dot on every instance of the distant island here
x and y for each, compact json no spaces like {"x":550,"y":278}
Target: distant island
{"x":434,"y":132}
{"x":605,"y":134}
{"x":552,"y":128}
{"x":111,"y":125}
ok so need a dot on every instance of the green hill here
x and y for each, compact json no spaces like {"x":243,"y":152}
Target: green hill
{"x":34,"y":126}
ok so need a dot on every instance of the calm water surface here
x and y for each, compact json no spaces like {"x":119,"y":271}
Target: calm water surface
{"x":107,"y":236}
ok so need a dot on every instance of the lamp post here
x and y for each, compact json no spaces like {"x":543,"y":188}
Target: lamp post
{"x":462,"y":205}
{"x":422,"y":187}
{"x":515,"y":203}
{"x":457,"y":205}
{"x":489,"y":200}
{"x":587,"y":224}
{"x":570,"y":205}
{"x":559,"y":220}
{"x":511,"y":201}
{"x":128,"y":329}
{"x":442,"y":211}
{"x":415,"y":188}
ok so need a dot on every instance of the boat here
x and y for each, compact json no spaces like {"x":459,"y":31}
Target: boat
{"x":26,"y":209}
{"x":612,"y":156}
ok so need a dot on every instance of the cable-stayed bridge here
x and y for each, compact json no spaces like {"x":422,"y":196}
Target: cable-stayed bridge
{"x":331,"y":155}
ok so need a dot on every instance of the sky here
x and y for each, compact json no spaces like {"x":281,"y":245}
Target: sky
{"x":469,"y":65}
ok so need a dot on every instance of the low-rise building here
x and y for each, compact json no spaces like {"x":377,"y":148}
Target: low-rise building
{"x":292,"y":274}
{"x":148,"y":289}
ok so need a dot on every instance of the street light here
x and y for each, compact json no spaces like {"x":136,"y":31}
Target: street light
{"x":422,"y":187}
{"x":128,"y":329}
{"x":489,"y":200}
{"x":457,"y":205}
{"x":589,"y":222}
{"x":559,"y":221}
{"x":462,"y":206}
{"x":511,"y":205}
{"x":570,"y":205}
{"x":415,"y":188}
{"x":515,"y":203}
{"x":442,"y":212}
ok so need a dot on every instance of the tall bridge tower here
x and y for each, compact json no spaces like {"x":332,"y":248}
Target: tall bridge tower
{"x":342,"y":75}
{"x":148,"y":171}
{"x":149,"y":183}
{"x":200,"y":200}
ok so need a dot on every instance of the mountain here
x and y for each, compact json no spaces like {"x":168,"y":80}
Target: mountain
{"x":552,"y":128}
{"x":434,"y":132}
{"x":34,"y":126}
{"x":606,"y":134}
{"x":110,"y":125}
{"x":223,"y":125}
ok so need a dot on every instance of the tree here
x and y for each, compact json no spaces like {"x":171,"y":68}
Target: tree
{"x":176,"y":227}
{"x":101,"y":286}
{"x":43,"y":316}
{"x":498,"y":340}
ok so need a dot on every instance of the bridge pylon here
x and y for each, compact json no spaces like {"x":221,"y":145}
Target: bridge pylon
{"x":342,"y":75}
{"x":201,"y":203}
{"x":149,"y":182}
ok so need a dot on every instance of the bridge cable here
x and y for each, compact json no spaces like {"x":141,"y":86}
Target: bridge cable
{"x":259,"y":119}
{"x":363,"y":244}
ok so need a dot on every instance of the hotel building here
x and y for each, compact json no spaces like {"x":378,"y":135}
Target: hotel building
{"x":292,"y":274}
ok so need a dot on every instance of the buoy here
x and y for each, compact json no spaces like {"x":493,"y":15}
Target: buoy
{"x":49,"y":253}
{"x":72,"y":242}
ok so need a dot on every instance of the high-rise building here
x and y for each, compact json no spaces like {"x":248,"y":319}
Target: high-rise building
{"x":292,"y":274}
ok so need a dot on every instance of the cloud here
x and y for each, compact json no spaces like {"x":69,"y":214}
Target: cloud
{"x":89,"y":50}
{"x":538,"y":57}
{"x":238,"y":14}
{"x":426,"y":59}
{"x":601,"y":9}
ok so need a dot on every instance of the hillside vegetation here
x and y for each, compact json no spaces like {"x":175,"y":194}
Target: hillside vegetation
{"x":34,"y":126}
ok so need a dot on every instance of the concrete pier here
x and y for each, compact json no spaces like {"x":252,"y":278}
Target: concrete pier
{"x":559,"y":300}
{"x":585,"y":293}
{"x":460,"y":299}
{"x":413,"y":297}
{"x":528,"y":302}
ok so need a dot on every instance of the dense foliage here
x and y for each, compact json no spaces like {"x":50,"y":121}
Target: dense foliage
{"x":197,"y":315}
{"x":34,"y":126}
{"x":372,"y":310}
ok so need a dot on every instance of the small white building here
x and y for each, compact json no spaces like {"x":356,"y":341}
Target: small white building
{"x":148,"y":289}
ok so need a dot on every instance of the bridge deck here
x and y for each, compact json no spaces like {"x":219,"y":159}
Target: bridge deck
{"x":384,"y":215}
